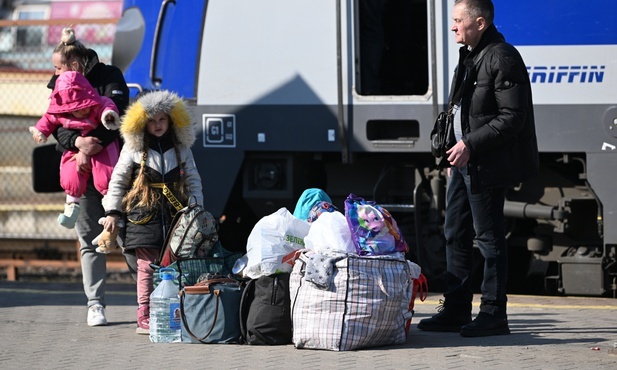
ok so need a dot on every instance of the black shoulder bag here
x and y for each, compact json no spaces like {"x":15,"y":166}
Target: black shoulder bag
{"x":442,"y":135}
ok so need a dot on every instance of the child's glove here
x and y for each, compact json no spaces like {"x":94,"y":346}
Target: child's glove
{"x":37,"y":135}
{"x":110,"y":120}
{"x":107,"y":241}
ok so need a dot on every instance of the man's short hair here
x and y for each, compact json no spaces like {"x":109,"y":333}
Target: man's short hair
{"x":479,"y":8}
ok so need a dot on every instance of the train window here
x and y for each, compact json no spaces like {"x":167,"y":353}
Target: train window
{"x":30,"y":36}
{"x":398,"y":130}
{"x":392,"y":47}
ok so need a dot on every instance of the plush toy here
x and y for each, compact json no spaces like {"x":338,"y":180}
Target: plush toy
{"x":107,"y":241}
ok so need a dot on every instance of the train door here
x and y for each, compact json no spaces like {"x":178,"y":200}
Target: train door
{"x":392,"y":97}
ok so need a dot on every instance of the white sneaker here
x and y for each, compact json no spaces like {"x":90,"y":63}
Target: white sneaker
{"x":96,"y":315}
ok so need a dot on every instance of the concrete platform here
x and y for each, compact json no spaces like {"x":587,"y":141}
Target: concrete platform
{"x":44,"y":327}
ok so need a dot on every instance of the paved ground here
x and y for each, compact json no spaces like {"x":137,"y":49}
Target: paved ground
{"x":43,"y":326}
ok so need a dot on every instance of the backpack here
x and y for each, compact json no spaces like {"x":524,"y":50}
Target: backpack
{"x":265,"y":314}
{"x":192,"y":234}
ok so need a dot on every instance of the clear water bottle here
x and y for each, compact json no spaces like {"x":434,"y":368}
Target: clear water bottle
{"x":165,"y":310}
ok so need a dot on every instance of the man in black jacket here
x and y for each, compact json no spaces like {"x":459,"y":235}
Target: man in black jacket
{"x":496,"y":148}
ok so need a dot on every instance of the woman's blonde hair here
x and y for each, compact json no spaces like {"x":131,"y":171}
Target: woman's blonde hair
{"x":71,"y":50}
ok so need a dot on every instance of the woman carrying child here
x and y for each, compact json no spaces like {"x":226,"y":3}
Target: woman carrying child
{"x":75,"y":104}
{"x":154,"y":178}
{"x":71,"y":55}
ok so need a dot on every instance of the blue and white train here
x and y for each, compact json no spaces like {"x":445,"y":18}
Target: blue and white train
{"x":281,"y":98}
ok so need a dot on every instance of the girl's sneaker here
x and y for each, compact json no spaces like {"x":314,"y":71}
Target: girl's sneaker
{"x":69,"y":217}
{"x":143,"y":320}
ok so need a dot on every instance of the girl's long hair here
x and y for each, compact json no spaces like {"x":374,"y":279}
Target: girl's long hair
{"x":142,"y":194}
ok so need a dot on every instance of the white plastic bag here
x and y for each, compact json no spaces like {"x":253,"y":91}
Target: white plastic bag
{"x":272,"y":239}
{"x":330,"y":235}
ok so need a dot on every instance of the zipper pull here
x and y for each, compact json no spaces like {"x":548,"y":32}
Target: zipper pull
{"x":275,"y":286}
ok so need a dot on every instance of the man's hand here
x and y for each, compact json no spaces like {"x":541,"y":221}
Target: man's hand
{"x":88,"y":145}
{"x":458,"y":155}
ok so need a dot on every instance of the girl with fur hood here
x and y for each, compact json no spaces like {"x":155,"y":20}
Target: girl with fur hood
{"x":154,"y":178}
{"x":76,"y":105}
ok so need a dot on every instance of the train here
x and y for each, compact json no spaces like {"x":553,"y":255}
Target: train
{"x":342,"y":96}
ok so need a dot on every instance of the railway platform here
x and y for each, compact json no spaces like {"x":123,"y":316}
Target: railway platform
{"x":44,"y":327}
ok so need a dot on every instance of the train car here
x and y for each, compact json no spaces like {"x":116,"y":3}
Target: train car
{"x":342,"y":96}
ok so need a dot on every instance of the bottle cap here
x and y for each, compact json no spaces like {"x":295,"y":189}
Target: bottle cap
{"x":167,"y":273}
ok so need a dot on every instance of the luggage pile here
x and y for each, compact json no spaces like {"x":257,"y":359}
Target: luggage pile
{"x":317,"y":279}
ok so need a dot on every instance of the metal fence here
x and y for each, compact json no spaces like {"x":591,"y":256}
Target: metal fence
{"x":25,"y":69}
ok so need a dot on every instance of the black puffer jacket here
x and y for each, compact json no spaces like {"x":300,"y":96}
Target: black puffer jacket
{"x":496,"y":113}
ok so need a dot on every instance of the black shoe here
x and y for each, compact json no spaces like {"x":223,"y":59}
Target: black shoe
{"x":447,"y":320}
{"x":485,"y":325}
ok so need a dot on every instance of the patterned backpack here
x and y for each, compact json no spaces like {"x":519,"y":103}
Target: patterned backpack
{"x":192,"y":234}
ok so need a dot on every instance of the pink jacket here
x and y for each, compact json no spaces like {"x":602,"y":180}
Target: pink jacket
{"x":73,"y":92}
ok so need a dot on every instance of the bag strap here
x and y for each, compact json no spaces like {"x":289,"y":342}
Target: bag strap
{"x":193,"y":221}
{"x":203,"y":287}
{"x":185,"y":323}
{"x":245,"y":303}
{"x":263,"y":339}
{"x":482,"y":52}
{"x":166,"y":243}
{"x":168,"y":194}
{"x":419,"y":290}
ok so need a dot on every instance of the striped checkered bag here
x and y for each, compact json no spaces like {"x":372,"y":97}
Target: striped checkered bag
{"x":365,"y":305}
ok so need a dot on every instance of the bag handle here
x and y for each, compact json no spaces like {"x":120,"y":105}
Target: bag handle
{"x":245,"y":303}
{"x":419,"y":290}
{"x":184,"y":321}
{"x":203,"y":287}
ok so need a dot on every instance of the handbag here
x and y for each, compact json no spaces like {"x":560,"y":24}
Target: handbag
{"x":442,"y":135}
{"x":210,"y":311}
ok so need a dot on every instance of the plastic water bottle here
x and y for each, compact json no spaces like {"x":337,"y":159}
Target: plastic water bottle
{"x":165,"y":310}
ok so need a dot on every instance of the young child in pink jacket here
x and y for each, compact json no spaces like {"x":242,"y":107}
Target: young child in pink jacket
{"x":75,"y":104}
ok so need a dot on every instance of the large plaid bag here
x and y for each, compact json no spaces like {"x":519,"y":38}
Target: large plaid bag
{"x":365,"y":305}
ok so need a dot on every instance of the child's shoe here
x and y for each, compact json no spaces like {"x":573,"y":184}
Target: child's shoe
{"x":143,"y":320}
{"x":69,"y":217}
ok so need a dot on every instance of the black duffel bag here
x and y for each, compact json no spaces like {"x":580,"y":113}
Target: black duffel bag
{"x":265,"y":314}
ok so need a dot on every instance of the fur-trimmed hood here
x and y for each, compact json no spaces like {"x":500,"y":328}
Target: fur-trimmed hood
{"x":146,"y":107}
